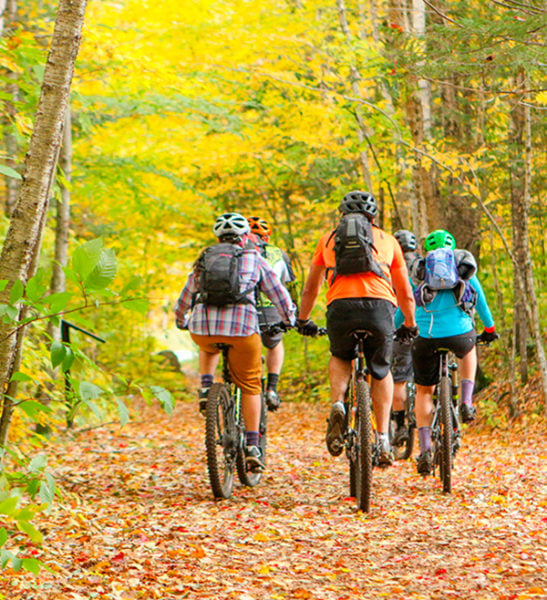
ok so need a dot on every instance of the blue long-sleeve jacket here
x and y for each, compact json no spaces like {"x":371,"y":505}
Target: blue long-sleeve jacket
{"x":442,"y":317}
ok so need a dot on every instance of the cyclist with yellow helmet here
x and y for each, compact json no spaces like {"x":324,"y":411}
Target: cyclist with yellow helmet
{"x":268,"y":314}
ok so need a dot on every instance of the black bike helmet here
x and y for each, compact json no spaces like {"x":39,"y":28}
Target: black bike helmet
{"x":406,"y":239}
{"x":363,"y":202}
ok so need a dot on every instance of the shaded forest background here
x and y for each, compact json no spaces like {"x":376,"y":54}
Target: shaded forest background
{"x":181,"y":110}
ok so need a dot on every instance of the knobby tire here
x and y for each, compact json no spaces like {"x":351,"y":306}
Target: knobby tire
{"x":364,"y":446}
{"x":220,"y":431}
{"x":445,"y":467}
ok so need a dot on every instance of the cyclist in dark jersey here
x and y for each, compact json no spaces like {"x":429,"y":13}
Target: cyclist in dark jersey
{"x":401,"y":362}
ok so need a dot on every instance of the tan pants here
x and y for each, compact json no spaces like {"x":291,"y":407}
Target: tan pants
{"x":244,"y":358}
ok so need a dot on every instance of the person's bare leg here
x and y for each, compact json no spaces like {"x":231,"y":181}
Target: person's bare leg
{"x":339,"y":375}
{"x":250,"y":409}
{"x":274,"y":358}
{"x":382,"y":396}
{"x":208,"y":362}
{"x":399,"y":395}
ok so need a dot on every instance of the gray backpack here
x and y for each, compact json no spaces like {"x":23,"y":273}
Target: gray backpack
{"x":218,"y":275}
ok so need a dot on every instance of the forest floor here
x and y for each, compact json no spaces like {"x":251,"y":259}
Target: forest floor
{"x":137,"y":520}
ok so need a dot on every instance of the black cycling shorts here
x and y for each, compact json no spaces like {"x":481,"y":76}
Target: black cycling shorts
{"x":345,"y":315}
{"x":269,"y":315}
{"x":426,"y":360}
{"x":401,"y":362}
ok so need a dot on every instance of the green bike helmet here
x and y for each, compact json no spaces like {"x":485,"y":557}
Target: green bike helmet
{"x":439,"y":239}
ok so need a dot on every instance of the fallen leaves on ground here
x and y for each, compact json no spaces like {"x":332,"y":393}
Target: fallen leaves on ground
{"x":138,"y":520}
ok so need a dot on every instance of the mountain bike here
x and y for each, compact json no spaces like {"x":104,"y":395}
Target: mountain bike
{"x":360,"y":438}
{"x":445,"y":427}
{"x":404,"y":451}
{"x":225,"y":434}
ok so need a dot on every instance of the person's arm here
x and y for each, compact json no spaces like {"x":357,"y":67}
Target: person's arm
{"x":482,"y":307}
{"x":402,"y":288}
{"x":184,"y":301}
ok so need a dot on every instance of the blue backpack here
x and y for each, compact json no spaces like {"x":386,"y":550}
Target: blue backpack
{"x":440,"y":272}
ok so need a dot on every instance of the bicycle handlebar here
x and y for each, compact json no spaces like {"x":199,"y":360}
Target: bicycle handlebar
{"x":283,"y":328}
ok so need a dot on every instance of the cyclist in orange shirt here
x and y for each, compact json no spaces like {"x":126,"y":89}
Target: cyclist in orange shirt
{"x":360,"y":301}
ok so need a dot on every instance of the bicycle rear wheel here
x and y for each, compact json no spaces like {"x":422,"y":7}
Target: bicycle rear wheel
{"x":445,"y":464}
{"x":220,"y":440}
{"x":363,"y":428}
{"x":252,"y":478}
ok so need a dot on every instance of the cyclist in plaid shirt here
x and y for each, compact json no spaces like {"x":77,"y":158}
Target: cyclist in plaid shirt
{"x":235,"y":325}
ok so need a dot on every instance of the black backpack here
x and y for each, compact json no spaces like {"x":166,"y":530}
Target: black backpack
{"x":353,"y":246}
{"x":218,"y":275}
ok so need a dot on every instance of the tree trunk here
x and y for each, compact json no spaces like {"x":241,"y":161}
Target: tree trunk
{"x":518,"y":184}
{"x":418,"y":116}
{"x":355,"y":90}
{"x":22,"y":243}
{"x":528,"y":266}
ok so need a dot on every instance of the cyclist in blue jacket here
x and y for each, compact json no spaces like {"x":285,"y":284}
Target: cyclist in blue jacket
{"x":443,"y":323}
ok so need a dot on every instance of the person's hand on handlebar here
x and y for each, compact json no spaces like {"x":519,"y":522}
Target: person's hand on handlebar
{"x":307,"y":327}
{"x":406,"y":334}
{"x":488,"y":336}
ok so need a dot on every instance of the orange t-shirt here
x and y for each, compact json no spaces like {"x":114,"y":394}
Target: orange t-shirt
{"x":388,"y":255}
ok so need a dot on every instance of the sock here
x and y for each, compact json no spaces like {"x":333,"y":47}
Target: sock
{"x":424,"y":435}
{"x":251,"y":438}
{"x":399,"y":417}
{"x":273,"y":378}
{"x":467,"y":391}
{"x":383,"y":439}
{"x":206,"y":381}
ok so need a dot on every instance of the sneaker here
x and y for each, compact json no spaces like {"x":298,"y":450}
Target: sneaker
{"x":424,"y":463}
{"x":468,"y":412}
{"x":253,"y":459}
{"x":400,"y":436}
{"x":385,"y":453}
{"x":335,"y":426}
{"x":272,"y":400}
{"x":203,"y":394}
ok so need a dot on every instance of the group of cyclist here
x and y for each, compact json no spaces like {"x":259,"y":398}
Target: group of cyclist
{"x":402,"y":341}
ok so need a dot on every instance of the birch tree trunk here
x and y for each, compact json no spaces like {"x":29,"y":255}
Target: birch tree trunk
{"x":355,"y":90}
{"x":426,"y":201}
{"x":406,"y":209}
{"x":22,"y":243}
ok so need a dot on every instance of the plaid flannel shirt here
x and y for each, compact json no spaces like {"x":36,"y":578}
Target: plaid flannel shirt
{"x":236,"y":319}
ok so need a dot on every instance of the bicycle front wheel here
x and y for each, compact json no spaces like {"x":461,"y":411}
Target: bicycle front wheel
{"x":252,"y":478}
{"x":363,"y":429}
{"x":445,"y":466}
{"x":220,"y":440}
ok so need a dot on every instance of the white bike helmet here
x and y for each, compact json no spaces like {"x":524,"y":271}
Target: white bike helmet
{"x":232,"y":224}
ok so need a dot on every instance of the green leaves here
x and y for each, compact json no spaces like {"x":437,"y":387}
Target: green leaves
{"x":61,"y":354}
{"x":164,"y":397}
{"x":9,"y":172}
{"x":94,"y":265}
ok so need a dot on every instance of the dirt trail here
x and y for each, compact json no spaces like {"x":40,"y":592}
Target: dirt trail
{"x":139,"y":521}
